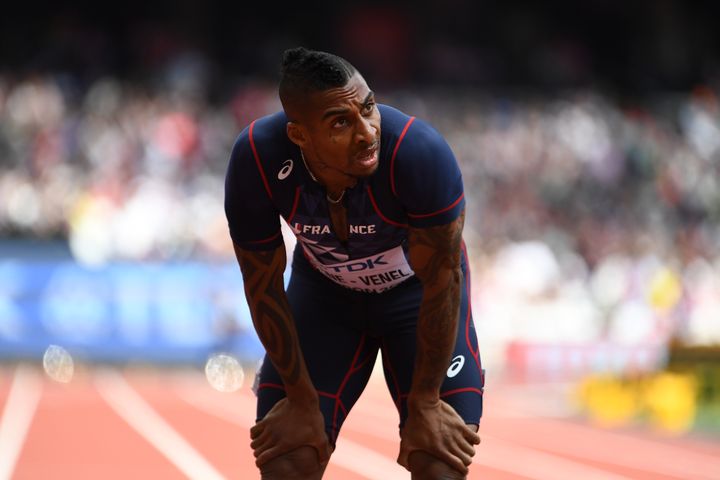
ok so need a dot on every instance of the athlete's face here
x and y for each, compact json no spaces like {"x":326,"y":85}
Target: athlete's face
{"x":341,"y":130}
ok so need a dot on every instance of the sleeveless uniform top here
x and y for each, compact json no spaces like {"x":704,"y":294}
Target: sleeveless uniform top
{"x":417,"y":184}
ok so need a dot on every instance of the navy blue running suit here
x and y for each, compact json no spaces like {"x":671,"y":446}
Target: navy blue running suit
{"x":349,"y":300}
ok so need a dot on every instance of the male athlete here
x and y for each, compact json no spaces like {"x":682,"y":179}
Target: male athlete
{"x":375,"y":199}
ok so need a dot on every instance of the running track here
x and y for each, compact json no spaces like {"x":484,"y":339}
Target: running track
{"x":169,"y":424}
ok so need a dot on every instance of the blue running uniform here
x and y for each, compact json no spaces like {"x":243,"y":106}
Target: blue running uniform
{"x":351,"y":299}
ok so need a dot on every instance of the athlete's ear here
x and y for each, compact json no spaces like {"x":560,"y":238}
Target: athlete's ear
{"x":296,"y":134}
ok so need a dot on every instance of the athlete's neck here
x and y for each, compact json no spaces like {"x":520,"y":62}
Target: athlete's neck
{"x":335,"y":181}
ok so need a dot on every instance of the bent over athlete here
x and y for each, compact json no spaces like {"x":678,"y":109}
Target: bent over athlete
{"x":375,"y":199}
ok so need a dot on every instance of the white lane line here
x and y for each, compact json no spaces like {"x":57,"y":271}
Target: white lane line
{"x":22,"y":400}
{"x":348,"y":454}
{"x":131,"y":407}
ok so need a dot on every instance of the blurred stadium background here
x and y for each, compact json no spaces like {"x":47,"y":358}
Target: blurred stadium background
{"x":588,"y":134}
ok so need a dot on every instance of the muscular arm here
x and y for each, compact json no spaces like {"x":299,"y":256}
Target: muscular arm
{"x":432,"y":426}
{"x":435,"y":257}
{"x":263,"y":278}
{"x":295,"y":421}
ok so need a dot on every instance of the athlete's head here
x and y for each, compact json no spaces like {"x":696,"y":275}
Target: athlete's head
{"x":332,"y":113}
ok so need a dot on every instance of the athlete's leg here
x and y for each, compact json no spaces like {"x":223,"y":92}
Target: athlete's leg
{"x":339,"y":358}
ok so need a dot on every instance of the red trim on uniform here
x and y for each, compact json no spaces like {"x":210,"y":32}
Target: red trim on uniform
{"x":349,"y":373}
{"x":267,"y":240}
{"x":475,"y":354}
{"x":342,"y":405}
{"x":452,"y":392}
{"x":338,"y":402}
{"x":257,"y":159}
{"x":389,"y":367}
{"x":278,"y":386}
{"x":352,"y":365}
{"x":450,"y":207}
{"x":377,"y":210}
{"x":363,"y":363}
{"x":392,"y":159}
{"x":295,"y":205}
{"x":461,"y":390}
{"x":271,"y":385}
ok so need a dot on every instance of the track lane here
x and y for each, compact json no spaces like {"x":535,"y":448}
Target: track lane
{"x":141,"y":416}
{"x":494,"y":458}
{"x":373,"y":422}
{"x":75,"y":435}
{"x":618,"y":451}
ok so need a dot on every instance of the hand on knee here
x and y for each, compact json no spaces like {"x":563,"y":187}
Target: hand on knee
{"x":299,"y":464}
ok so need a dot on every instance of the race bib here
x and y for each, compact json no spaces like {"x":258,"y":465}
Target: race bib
{"x":375,"y":273}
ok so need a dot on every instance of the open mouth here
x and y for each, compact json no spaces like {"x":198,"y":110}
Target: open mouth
{"x":368,"y":158}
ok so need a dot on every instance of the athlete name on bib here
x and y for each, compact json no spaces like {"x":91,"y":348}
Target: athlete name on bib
{"x":375,"y":273}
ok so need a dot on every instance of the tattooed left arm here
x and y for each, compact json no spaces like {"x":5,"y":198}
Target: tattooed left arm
{"x":432,"y":425}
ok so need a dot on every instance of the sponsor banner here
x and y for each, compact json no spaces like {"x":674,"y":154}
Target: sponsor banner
{"x":375,"y":273}
{"x":125,"y":312}
{"x":534,"y":361}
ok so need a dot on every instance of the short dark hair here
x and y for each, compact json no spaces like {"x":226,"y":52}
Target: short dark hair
{"x":304,"y":71}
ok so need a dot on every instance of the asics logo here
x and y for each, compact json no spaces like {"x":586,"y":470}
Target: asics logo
{"x":285,"y":170}
{"x":455,"y":366}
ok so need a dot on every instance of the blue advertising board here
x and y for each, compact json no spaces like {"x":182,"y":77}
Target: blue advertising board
{"x":141,"y":312}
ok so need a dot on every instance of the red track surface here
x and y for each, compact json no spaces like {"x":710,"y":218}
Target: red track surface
{"x":166,"y":424}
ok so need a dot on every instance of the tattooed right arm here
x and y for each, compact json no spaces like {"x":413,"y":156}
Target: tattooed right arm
{"x":265,"y":292}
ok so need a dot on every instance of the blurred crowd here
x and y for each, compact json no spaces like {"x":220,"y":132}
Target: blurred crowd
{"x":587,"y":219}
{"x":122,"y":171}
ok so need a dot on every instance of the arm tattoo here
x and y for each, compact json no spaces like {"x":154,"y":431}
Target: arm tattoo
{"x":435,"y":258}
{"x":271,"y":315}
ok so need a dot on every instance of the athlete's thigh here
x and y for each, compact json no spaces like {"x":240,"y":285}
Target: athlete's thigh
{"x":462,"y":387}
{"x":338,"y":354}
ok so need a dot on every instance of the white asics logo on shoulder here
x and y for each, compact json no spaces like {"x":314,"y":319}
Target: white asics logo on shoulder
{"x":456,"y":366}
{"x":285,"y":170}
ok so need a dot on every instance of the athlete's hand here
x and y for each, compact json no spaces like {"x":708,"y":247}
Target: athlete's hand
{"x":437,"y":429}
{"x":288,"y":426}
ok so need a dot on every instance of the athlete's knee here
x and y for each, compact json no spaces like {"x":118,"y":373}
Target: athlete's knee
{"x":299,"y":464}
{"x":424,"y":466}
